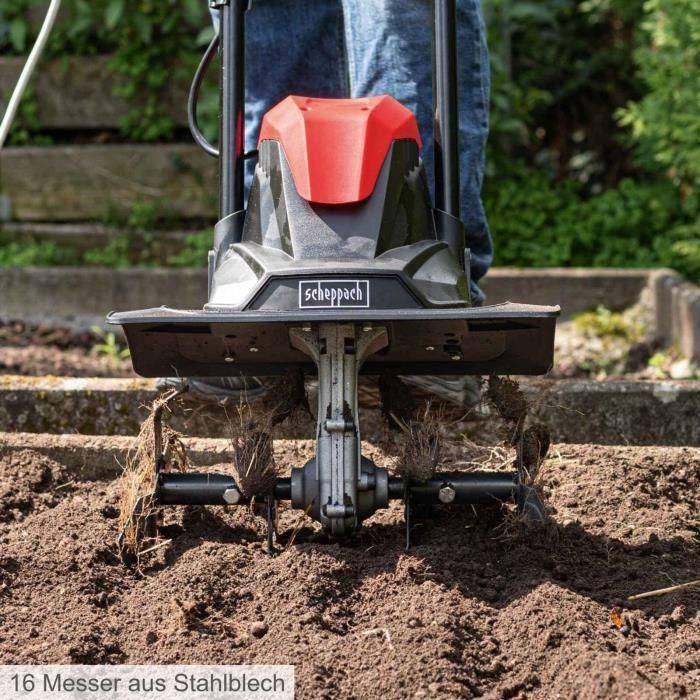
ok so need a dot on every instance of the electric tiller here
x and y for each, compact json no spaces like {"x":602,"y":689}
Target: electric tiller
{"x":339,"y":265}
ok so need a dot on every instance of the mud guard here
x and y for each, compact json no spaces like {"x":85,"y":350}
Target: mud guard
{"x":501,"y":339}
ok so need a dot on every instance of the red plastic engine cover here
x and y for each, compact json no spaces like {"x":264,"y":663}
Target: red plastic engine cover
{"x":336,"y":148}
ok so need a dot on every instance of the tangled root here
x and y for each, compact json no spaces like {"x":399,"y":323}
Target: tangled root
{"x":532,"y":444}
{"x":533,"y":448}
{"x":509,"y":401}
{"x":137,"y":509}
{"x":253,"y":460}
{"x":423,"y":446}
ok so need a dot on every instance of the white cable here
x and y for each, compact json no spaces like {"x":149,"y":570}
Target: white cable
{"x":28,"y":69}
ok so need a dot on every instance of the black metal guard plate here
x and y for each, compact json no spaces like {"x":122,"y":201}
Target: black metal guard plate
{"x":502,"y":339}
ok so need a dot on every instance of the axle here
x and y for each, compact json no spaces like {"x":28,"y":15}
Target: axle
{"x":213,"y":489}
{"x":339,"y":487}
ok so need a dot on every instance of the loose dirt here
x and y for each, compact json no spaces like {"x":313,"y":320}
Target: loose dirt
{"x":478,"y":607}
{"x":36,"y":350}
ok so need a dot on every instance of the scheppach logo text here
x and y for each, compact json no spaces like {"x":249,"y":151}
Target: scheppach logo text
{"x":334,"y":294}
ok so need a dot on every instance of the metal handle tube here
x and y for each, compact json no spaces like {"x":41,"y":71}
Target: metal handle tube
{"x":445,"y":108}
{"x":232,"y":107}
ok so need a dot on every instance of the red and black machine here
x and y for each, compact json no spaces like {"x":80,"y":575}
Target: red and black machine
{"x":339,"y":265}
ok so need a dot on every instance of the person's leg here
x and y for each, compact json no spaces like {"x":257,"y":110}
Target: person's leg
{"x":389,"y":50}
{"x":292,"y":47}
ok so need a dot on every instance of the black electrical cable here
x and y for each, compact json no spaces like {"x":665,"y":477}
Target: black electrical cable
{"x":193,"y":99}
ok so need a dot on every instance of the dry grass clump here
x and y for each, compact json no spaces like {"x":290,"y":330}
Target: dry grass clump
{"x":517,"y":522}
{"x":533,"y":448}
{"x":252,"y":456}
{"x":137,"y":509}
{"x":422,"y":446}
{"x":251,"y":433}
{"x":532,"y":443}
{"x":509,"y":401}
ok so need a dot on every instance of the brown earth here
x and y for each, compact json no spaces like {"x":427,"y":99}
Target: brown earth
{"x":37,"y":350}
{"x":475,"y":608}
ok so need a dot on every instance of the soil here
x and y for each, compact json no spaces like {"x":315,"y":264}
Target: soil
{"x":480,"y":606}
{"x":39,"y":350}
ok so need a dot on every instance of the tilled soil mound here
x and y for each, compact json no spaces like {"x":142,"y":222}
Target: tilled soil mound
{"x":478,"y":607}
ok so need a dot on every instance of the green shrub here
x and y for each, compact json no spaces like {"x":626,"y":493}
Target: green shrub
{"x":194,"y":252}
{"x":155,"y":42}
{"x":560,"y":70}
{"x":13,"y":26}
{"x":37,"y":253}
{"x":684,"y":251}
{"x":152,"y":44}
{"x":130,"y":249}
{"x":537,"y":223}
{"x":666,"y":121}
{"x":605,"y":323}
{"x":116,"y":253}
{"x":525,"y":213}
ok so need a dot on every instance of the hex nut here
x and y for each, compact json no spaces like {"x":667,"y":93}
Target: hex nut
{"x":232,"y":496}
{"x":446,"y":494}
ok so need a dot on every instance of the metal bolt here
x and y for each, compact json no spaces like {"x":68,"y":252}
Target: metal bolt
{"x":229,"y":358}
{"x":430,"y":348}
{"x":232,"y":496}
{"x":446,"y":494}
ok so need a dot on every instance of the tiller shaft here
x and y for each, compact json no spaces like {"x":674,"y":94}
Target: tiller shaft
{"x":339,"y":487}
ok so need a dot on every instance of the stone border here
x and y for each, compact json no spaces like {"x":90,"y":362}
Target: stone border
{"x":575,"y":289}
{"x":100,"y":406}
{"x":81,"y":297}
{"x":88,"y":182}
{"x":82,"y":237}
{"x":77,"y":92}
{"x":577,"y":411}
{"x":677,"y":312}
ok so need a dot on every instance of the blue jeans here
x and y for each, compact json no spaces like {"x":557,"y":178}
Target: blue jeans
{"x":358,"y":48}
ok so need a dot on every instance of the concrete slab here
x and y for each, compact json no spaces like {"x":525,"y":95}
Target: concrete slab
{"x":77,"y":92}
{"x":82,"y":296}
{"x":88,"y":182}
{"x":677,"y":312}
{"x":574,"y":289}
